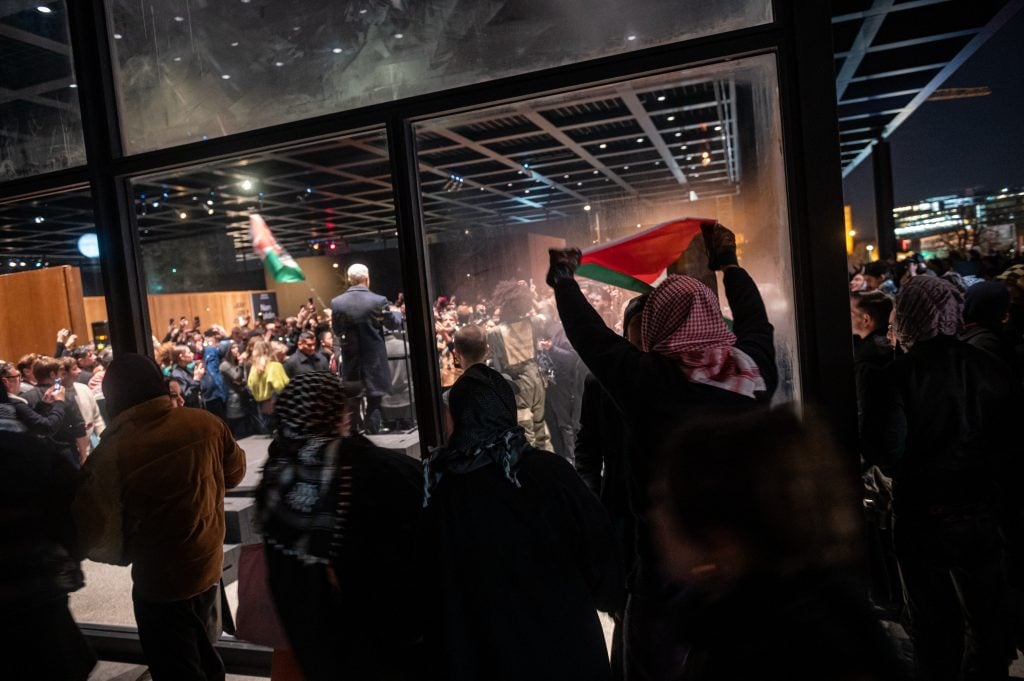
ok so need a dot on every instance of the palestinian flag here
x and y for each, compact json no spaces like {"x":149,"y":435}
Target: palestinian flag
{"x":281,"y":266}
{"x":638,"y":262}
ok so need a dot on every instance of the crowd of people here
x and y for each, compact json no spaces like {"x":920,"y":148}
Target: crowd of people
{"x":727,"y":538}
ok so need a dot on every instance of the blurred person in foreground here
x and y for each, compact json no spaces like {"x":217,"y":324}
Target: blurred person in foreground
{"x":759,"y":515}
{"x":338,"y":516}
{"x":38,"y":637}
{"x":689,"y":365}
{"x":517,"y":555}
{"x":152,"y":495}
{"x":939,"y":421}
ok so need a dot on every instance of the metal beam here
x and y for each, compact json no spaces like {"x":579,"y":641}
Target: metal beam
{"x":489,"y":153}
{"x":34,"y":40}
{"x":997,"y":22}
{"x":897,"y":72}
{"x":910,"y":4}
{"x":632,"y":103}
{"x":578,"y":149}
{"x":914,"y":42}
{"x":868,"y":30}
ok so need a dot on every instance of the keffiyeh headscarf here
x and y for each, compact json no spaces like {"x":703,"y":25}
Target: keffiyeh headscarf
{"x":682,"y":321}
{"x":927,"y":307}
{"x":483,"y":409}
{"x":298,"y":494}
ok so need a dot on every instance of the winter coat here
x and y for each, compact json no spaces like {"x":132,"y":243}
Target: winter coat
{"x":357,"y":319}
{"x":161,"y":473}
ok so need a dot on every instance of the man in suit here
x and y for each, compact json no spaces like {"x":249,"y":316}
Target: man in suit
{"x":358,"y":317}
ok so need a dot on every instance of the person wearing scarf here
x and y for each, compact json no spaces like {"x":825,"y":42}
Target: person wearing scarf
{"x":517,"y":555}
{"x":939,"y":421}
{"x":689,"y":366}
{"x":338,"y":516}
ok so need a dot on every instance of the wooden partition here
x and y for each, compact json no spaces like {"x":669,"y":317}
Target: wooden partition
{"x":34,"y":305}
{"x":216,"y":307}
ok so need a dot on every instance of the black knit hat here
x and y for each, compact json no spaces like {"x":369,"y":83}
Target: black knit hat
{"x":131,"y":380}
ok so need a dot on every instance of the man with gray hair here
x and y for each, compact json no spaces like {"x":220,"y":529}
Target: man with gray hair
{"x":358,"y":317}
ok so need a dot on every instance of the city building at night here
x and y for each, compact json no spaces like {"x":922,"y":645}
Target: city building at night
{"x":990,"y":222}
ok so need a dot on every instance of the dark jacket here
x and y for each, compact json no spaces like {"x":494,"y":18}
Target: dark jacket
{"x":807,"y":627}
{"x":357,"y":319}
{"x":651,"y":390}
{"x":191,"y":389}
{"x":300,"y":363}
{"x":513,"y":577}
{"x":940,"y":420}
{"x":367,"y":626}
{"x":601,"y":448}
{"x":72,"y":424}
{"x":869,"y":355}
{"x":36,"y":533}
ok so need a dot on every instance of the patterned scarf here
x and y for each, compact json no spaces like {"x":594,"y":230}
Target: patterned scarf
{"x":483,"y":409}
{"x":682,"y":321}
{"x":927,"y":307}
{"x":298,"y":494}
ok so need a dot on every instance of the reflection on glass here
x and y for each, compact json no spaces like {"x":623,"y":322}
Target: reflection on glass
{"x":52,"y":306}
{"x":40,"y":123}
{"x":503,"y":185}
{"x":253,"y":266}
{"x":192,"y":71}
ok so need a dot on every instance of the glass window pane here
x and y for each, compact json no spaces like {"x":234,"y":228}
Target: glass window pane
{"x":316,"y":210}
{"x":50,"y":281}
{"x":40,"y":123}
{"x":503,"y":185}
{"x":190,"y":71}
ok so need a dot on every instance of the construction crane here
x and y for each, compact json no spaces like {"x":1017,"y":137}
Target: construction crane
{"x":944,"y":94}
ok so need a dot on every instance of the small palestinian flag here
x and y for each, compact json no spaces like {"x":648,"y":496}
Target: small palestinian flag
{"x":281,"y":266}
{"x":638,"y":262}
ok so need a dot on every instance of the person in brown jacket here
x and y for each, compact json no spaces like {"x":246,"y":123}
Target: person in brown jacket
{"x":152,"y":495}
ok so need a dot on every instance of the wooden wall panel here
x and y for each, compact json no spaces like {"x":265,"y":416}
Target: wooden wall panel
{"x":34,"y":305}
{"x":217,"y":307}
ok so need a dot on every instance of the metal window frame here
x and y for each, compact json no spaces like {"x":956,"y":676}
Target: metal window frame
{"x":799,"y":37}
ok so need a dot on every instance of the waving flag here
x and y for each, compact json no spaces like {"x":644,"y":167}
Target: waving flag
{"x":281,"y":265}
{"x":638,"y":261}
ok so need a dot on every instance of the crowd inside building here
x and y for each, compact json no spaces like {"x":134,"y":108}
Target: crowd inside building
{"x":605,"y":452}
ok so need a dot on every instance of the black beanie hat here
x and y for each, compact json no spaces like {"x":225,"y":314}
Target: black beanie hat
{"x":130,"y":380}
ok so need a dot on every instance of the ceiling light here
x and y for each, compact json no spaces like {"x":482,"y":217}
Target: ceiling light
{"x":337,"y":50}
{"x":706,"y":161}
{"x":246,"y":185}
{"x":671,"y":118}
{"x":179,"y":18}
{"x":603,"y":146}
{"x":630,"y":37}
{"x":278,"y":63}
{"x":39,"y":219}
{"x":43,"y":9}
{"x":182,"y":215}
{"x":565,"y":177}
{"x":156,"y":204}
{"x":209,"y":202}
{"x":683,"y":147}
{"x":718,"y":128}
{"x":118,"y":36}
{"x":638,"y":225}
{"x":679,"y":134}
{"x":234,"y":44}
{"x":527,"y":191}
{"x":579,"y":184}
{"x":595,"y":172}
{"x":177,"y":59}
{"x":226,"y":77}
{"x":870,"y":247}
{"x":586,"y":207}
{"x":335,"y":265}
{"x":399,"y":36}
{"x":209,"y":212}
{"x":661,"y":98}
{"x":89,"y":245}
{"x":639,"y":140}
{"x":625,"y":167}
{"x":693,"y":195}
{"x":362,"y":11}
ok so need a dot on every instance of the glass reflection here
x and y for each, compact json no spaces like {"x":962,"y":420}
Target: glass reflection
{"x":40,"y":123}
{"x":192,"y":71}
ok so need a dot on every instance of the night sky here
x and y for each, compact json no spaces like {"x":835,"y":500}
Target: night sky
{"x":948,"y":146}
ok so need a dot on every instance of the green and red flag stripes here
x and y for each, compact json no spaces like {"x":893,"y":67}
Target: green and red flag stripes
{"x":278,"y":262}
{"x":639,"y":261}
